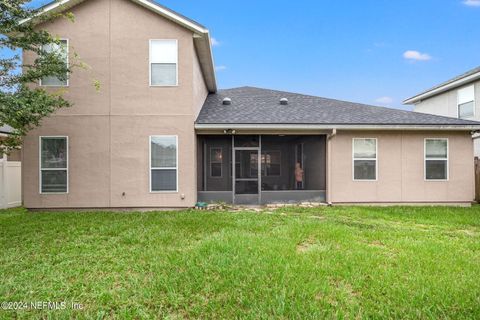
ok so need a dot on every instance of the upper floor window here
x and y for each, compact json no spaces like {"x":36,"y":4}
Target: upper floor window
{"x":62,"y":49}
{"x":436,"y":159}
{"x":364,"y":159}
{"x":53,"y":164}
{"x":163,"y":62}
{"x":466,"y":102}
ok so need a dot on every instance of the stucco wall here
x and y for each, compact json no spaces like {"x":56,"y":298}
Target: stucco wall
{"x":401,"y":169}
{"x":445,"y":104}
{"x":109,"y":130}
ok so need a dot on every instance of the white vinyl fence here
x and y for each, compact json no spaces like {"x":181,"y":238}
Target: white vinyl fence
{"x":10,"y":183}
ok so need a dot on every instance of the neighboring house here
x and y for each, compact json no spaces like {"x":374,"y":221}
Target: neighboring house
{"x":160,"y":134}
{"x":10,"y":175}
{"x":458,"y":97}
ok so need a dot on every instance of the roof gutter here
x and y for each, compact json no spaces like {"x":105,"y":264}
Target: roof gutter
{"x":427,"y":94}
{"x":201,"y":126}
{"x":203,"y":46}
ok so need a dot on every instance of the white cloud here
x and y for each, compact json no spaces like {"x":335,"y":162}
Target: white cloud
{"x":215,"y":42}
{"x":472,"y":3}
{"x":415,"y":55}
{"x":384,"y":100}
{"x":220,"y":68}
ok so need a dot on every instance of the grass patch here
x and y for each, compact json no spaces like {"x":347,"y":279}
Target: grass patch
{"x":303,"y":263}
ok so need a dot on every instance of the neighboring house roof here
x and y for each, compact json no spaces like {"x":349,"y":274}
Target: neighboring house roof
{"x":6,"y":129}
{"x":255,"y":108}
{"x":201,"y":36}
{"x":453,"y":83}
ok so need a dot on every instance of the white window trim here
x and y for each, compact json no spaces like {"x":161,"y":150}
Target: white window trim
{"x":150,"y":65}
{"x":221,"y":162}
{"x":40,"y":169}
{"x":458,"y":102}
{"x":376,"y":160}
{"x":68,"y":64}
{"x":162,"y":168}
{"x":443,"y":159}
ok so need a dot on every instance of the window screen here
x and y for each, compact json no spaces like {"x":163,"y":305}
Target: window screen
{"x":53,"y":165}
{"x":163,"y":163}
{"x":62,"y":49}
{"x":163,"y":62}
{"x":436,"y":159}
{"x":364,"y":159}
{"x":466,"y":102}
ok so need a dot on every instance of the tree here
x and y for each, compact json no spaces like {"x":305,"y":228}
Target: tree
{"x":22,"y":103}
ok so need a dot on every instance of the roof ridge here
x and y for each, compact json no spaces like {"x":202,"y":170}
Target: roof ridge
{"x":259,"y":105}
{"x":342,"y":101}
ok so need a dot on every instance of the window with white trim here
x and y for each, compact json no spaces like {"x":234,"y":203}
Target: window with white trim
{"x":61,"y":49}
{"x":466,"y":102}
{"x":364,"y":159}
{"x":163,"y":163}
{"x":216,"y":162}
{"x":163,"y":62}
{"x":436,"y":159}
{"x":53,"y":164}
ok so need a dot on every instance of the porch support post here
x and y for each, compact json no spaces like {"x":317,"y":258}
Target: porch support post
{"x":328,"y":192}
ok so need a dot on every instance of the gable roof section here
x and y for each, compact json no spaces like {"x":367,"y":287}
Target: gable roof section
{"x":453,"y":83}
{"x":201,"y":36}
{"x":256,"y":108}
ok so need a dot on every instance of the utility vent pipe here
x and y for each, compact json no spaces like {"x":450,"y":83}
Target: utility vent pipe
{"x":227,"y":101}
{"x":284,"y":101}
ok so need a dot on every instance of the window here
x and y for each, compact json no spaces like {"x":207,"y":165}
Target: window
{"x":62,"y":49}
{"x":216,"y":162}
{"x":364,"y":159}
{"x":436,"y":159}
{"x":53,"y":164}
{"x":163,"y":62}
{"x":466,"y":102}
{"x":163,"y":163}
{"x":271,"y":164}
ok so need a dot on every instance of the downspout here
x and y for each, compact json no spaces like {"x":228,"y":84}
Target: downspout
{"x":328,"y":161}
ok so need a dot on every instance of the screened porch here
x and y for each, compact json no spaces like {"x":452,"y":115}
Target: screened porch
{"x":261,"y":169}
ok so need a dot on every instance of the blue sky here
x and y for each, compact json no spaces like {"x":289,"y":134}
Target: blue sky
{"x":372,"y":51}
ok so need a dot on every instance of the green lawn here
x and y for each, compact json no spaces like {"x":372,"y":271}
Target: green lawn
{"x":293,"y":263}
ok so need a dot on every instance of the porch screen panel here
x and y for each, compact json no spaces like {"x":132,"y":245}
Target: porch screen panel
{"x":280,"y":157}
{"x":216,"y":163}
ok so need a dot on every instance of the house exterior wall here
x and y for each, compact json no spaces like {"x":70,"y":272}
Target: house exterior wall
{"x":445,"y":104}
{"x":400,"y":164}
{"x":109,"y":130}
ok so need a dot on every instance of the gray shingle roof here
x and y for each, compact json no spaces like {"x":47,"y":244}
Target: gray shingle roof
{"x":262,"y":106}
{"x":6,"y":129}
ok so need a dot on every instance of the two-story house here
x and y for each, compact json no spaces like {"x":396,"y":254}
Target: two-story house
{"x":457,"y":98}
{"x":159,"y":133}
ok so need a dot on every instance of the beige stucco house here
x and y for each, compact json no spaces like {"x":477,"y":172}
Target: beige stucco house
{"x":160,"y":134}
{"x":455,"y":98}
